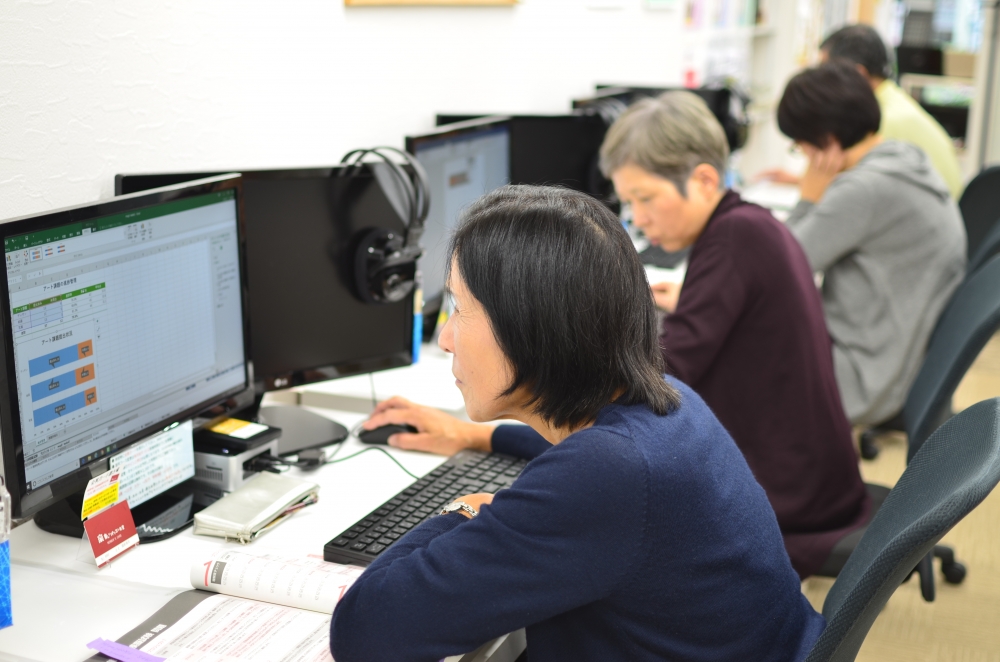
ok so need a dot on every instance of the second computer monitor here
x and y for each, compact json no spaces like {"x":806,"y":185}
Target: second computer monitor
{"x":463,"y":161}
{"x":307,"y":323}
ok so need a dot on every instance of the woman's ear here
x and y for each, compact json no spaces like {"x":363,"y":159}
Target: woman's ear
{"x":706,"y":178}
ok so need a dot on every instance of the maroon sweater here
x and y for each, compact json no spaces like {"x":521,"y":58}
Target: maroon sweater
{"x":750,"y":338}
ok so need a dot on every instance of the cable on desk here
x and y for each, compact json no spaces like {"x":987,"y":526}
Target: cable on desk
{"x":340,"y":445}
{"x":374,"y":448}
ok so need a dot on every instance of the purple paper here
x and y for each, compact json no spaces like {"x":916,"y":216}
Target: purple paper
{"x":121,"y":652}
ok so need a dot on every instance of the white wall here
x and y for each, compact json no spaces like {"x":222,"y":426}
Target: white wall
{"x":93,"y":88}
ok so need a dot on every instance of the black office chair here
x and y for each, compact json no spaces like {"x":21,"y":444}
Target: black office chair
{"x":969,"y":320}
{"x":952,"y":473}
{"x":988,"y":247}
{"x":979,"y":204}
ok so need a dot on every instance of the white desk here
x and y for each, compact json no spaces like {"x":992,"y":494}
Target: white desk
{"x":779,"y":198}
{"x":61,"y":599}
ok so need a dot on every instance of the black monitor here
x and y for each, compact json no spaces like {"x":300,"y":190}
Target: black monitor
{"x":120,"y":319}
{"x":307,"y":322}
{"x":560,"y":150}
{"x":463,"y":161}
{"x":727,"y":106}
{"x":924,"y":60}
{"x":551,"y":149}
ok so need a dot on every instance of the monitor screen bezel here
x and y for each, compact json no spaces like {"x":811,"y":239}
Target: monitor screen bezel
{"x":25,"y":504}
{"x":449,"y":131}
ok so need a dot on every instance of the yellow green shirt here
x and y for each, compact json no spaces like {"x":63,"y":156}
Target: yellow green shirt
{"x":904,"y":119}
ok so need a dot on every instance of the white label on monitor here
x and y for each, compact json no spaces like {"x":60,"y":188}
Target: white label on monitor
{"x":156,"y":464}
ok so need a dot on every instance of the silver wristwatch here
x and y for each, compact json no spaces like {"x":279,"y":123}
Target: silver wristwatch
{"x":459,"y":505}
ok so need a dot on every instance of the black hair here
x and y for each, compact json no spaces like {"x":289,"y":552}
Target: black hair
{"x":567,"y":300}
{"x":860,"y":44}
{"x":831,"y":100}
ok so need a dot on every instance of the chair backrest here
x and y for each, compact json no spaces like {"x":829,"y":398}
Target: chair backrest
{"x":988,"y":247}
{"x":969,"y":320}
{"x":979,"y":204}
{"x":951,"y":475}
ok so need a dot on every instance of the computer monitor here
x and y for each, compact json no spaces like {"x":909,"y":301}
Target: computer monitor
{"x":119,"y":319}
{"x":560,"y":150}
{"x":925,"y":60}
{"x":307,"y":323}
{"x":726,"y":104}
{"x":463,"y":161}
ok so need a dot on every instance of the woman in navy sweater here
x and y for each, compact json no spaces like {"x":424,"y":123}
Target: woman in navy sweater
{"x":746,"y":332}
{"x":637,"y":531}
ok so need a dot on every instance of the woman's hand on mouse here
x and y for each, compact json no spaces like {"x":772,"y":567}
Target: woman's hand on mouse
{"x":437,"y":432}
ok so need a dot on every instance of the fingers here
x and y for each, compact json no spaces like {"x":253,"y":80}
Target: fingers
{"x":395,"y":402}
{"x":397,"y":410}
{"x":663,"y":287}
{"x":410,"y":416}
{"x":830,"y":160}
{"x":414,"y":441}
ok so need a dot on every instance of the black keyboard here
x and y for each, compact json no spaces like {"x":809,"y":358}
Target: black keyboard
{"x":467,"y":472}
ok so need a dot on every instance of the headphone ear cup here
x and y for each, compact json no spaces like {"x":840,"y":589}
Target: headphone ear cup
{"x":376,"y":282}
{"x":366,"y":256}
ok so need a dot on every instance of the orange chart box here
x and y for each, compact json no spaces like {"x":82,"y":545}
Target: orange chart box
{"x":90,"y":396}
{"x":85,"y":349}
{"x":85,"y":374}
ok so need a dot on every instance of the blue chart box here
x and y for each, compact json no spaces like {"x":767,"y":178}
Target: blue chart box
{"x":61,"y":357}
{"x":51,"y":412}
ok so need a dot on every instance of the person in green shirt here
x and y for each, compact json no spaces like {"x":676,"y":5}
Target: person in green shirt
{"x":903,"y":118}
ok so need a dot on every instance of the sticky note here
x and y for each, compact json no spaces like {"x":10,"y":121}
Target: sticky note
{"x":121,"y":652}
{"x":234,"y":427}
{"x":101,"y":492}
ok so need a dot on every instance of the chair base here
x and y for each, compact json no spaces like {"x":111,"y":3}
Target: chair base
{"x":866,"y":440}
{"x":954,"y":572}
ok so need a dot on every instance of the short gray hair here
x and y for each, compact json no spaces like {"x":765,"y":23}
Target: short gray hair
{"x":667,"y":136}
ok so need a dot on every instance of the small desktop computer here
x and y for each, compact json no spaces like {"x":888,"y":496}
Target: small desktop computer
{"x":307,"y":322}
{"x":120,"y":319}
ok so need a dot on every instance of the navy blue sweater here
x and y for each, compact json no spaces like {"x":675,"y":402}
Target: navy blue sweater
{"x":643,"y":537}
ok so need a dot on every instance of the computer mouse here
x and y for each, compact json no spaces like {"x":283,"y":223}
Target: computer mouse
{"x":381,"y":435}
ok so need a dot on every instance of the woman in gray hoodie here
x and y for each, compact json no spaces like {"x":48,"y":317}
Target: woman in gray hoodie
{"x":878,"y":222}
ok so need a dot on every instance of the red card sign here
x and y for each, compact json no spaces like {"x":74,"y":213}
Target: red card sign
{"x":111,"y":533}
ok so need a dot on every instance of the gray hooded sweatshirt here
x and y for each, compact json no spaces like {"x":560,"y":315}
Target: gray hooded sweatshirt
{"x":891,"y":245}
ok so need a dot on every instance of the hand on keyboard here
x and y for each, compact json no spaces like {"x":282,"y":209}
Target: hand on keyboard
{"x":437,"y":432}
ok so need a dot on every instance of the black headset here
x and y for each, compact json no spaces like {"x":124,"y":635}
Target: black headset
{"x":385,"y":264}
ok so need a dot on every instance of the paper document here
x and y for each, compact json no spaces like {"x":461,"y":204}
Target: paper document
{"x":300,"y":582}
{"x":225,"y":629}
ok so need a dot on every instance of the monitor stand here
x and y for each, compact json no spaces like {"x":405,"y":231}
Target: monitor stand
{"x":161,"y":517}
{"x":300,"y":428}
